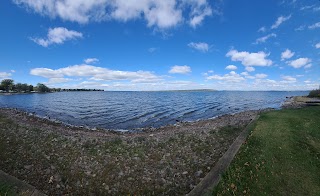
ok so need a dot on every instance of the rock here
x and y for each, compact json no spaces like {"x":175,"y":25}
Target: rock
{"x":198,"y":173}
{"x":51,"y":180}
{"x":28,"y":167}
{"x":184,"y":173}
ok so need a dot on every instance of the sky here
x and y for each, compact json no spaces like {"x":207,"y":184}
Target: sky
{"x":148,"y":45}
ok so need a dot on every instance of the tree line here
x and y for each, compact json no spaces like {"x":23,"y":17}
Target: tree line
{"x":8,"y":85}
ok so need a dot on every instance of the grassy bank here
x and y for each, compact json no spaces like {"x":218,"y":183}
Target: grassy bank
{"x":280,"y":157}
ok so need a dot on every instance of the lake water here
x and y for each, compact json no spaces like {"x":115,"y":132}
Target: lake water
{"x":129,"y":110}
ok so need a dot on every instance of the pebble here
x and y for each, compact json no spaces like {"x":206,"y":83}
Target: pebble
{"x":198,"y":173}
{"x":28,"y":167}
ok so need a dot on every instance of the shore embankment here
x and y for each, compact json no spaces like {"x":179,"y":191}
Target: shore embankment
{"x":60,"y":159}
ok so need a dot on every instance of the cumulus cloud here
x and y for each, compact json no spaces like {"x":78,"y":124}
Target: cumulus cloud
{"x":250,"y":59}
{"x":300,"y":62}
{"x":232,"y":77}
{"x":157,"y":13}
{"x":57,"y":35}
{"x":265,"y":38}
{"x":317,"y":45}
{"x":5,"y":75}
{"x":287,"y":54}
{"x":91,"y":60}
{"x":58,"y":80}
{"x":250,"y":69}
{"x":288,"y":79}
{"x":261,"y":76}
{"x":95,"y":73}
{"x":314,"y":26}
{"x":279,"y":21}
{"x":308,"y":66}
{"x":201,"y":46}
{"x":231,"y":67}
{"x":180,"y":69}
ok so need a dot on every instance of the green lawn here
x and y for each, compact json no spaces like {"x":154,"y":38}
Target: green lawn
{"x":280,"y":157}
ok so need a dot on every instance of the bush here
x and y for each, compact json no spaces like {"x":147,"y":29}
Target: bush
{"x":314,"y":93}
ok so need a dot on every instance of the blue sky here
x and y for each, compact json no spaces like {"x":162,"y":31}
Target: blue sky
{"x":162,"y":44}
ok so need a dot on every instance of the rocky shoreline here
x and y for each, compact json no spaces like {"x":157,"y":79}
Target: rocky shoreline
{"x":61,"y":159}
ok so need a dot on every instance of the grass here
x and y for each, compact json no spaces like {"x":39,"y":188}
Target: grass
{"x":280,"y":157}
{"x":5,"y":189}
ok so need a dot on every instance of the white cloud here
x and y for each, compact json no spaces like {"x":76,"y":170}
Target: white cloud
{"x":317,"y":45}
{"x":261,"y":76}
{"x":5,"y":75}
{"x":231,"y":67}
{"x":152,"y":50}
{"x":300,"y":62}
{"x":13,"y":71}
{"x":201,"y":46}
{"x":161,"y":13}
{"x":308,"y":66}
{"x":265,"y":38}
{"x":316,"y":9}
{"x":279,"y":21}
{"x":314,"y":26}
{"x":250,"y":69}
{"x":287,"y":54}
{"x":306,"y":7}
{"x":95,"y":73}
{"x":262,"y":29}
{"x":300,"y":28}
{"x":180,"y":69}
{"x":199,"y":14}
{"x":289,"y":79}
{"x":91,"y":60}
{"x":250,"y":59}
{"x":58,"y":80}
{"x":57,"y":35}
{"x":232,"y":77}
{"x":245,"y":73}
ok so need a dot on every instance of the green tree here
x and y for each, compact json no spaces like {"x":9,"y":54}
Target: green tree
{"x":7,"y":84}
{"x":30,"y":88}
{"x":18,"y":87}
{"x":25,"y":87}
{"x":42,"y":88}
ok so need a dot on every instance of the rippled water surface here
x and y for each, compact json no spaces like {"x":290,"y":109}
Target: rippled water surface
{"x":129,"y":110}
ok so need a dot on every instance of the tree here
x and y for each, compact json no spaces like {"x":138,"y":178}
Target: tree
{"x":42,"y":88}
{"x":7,"y":84}
{"x":18,"y":87}
{"x":30,"y":88}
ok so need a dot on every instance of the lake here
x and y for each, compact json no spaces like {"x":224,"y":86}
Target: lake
{"x":129,"y":110}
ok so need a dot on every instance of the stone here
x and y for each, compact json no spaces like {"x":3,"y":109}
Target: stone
{"x":28,"y":167}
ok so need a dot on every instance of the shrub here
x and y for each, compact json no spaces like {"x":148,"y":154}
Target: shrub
{"x":314,"y":93}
